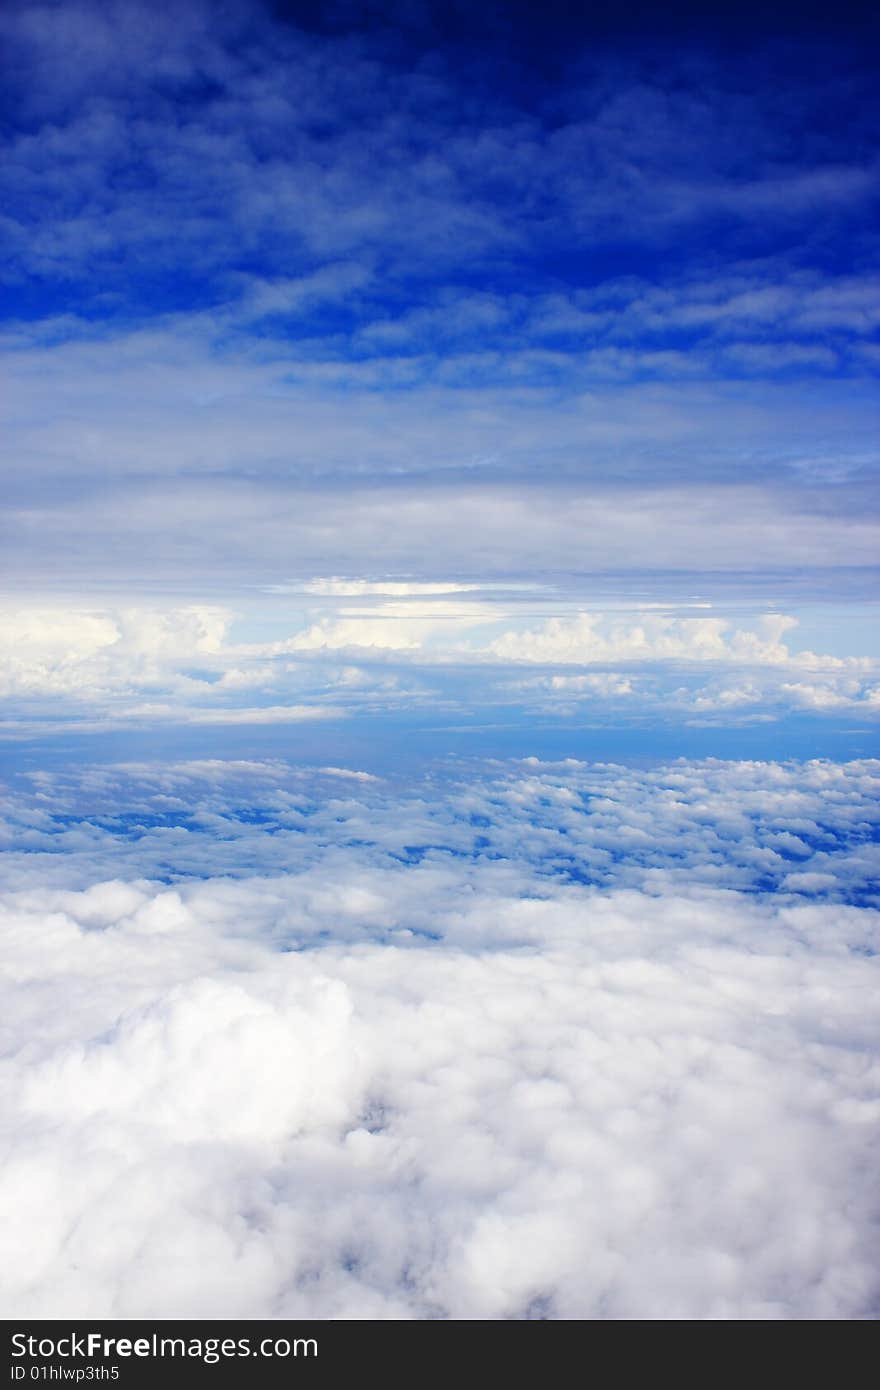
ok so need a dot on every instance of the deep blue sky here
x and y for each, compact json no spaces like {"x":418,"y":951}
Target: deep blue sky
{"x":557,"y":146}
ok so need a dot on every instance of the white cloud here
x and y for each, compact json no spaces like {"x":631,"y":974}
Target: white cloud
{"x":74,"y":653}
{"x":711,"y":823}
{"x":258,"y":714}
{"x":564,"y":694}
{"x":814,"y":696}
{"x":830,"y":690}
{"x":353,"y":773}
{"x":393,"y":588}
{"x":604,"y":683}
{"x":451,"y":1086}
{"x":407,"y":625}
{"x":724,"y":697}
{"x":406,"y":635}
{"x":417,"y":465}
{"x":121,"y":665}
{"x":592,"y":637}
{"x":59,"y":630}
{"x":553,"y":1040}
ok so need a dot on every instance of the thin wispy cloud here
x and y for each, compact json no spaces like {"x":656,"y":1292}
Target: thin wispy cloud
{"x":297,"y":276}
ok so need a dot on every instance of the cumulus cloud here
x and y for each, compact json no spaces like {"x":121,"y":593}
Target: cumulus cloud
{"x":405,"y":625}
{"x":659,"y":637}
{"x":70,"y":652}
{"x":602,"y":683}
{"x":417,"y":1069}
{"x":325,"y":656}
{"x":714,"y":823}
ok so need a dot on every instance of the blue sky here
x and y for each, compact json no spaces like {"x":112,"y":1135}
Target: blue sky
{"x":562,"y":324}
{"x":438,"y":660}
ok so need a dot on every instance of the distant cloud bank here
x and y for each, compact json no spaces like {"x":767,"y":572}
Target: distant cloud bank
{"x":371,"y":648}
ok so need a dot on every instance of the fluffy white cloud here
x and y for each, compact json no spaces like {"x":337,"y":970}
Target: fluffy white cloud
{"x":599,"y":683}
{"x":589,"y":637}
{"x":69,"y":651}
{"x":406,"y":625}
{"x":420,"y":1068}
{"x":714,"y":823}
{"x":125,"y":665}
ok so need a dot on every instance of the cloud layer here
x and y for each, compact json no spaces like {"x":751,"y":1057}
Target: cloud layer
{"x":509,"y":294}
{"x":338,"y":648}
{"x":560,"y":1042}
{"x":380,"y":377}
